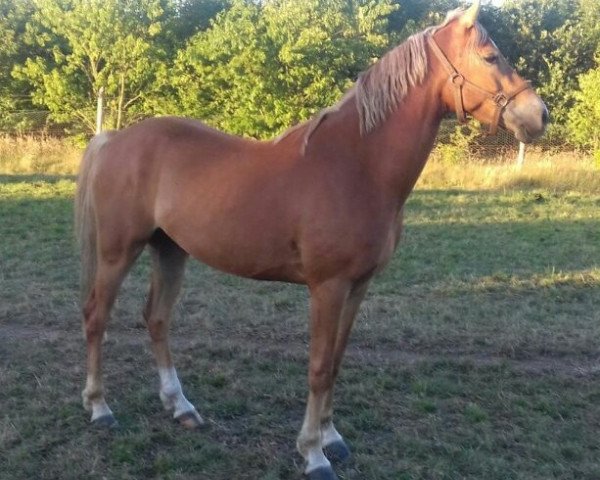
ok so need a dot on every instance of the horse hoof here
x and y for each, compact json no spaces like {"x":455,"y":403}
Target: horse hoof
{"x":106,"y":421}
{"x":322,"y":473}
{"x":337,"y":451}
{"x":191,"y":420}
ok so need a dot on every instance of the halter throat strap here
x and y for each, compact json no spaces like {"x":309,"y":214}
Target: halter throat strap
{"x":459,"y":82}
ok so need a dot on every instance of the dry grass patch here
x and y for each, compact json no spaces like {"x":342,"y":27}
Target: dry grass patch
{"x":542,"y":170}
{"x":35,"y":155}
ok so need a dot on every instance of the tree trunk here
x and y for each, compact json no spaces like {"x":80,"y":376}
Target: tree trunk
{"x":100,"y":111}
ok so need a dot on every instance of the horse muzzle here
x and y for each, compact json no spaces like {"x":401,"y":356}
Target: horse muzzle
{"x":527,"y":118}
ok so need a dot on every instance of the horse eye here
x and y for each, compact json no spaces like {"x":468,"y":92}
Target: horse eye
{"x":491,"y":58}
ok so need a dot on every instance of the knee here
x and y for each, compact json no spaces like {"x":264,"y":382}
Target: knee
{"x":320,"y":378}
{"x":89,"y":307}
{"x":94,"y":328}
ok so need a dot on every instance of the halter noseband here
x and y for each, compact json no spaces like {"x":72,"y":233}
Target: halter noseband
{"x":499,"y":98}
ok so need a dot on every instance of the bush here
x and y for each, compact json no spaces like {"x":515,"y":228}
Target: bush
{"x":457,"y":148}
{"x":584,"y":118}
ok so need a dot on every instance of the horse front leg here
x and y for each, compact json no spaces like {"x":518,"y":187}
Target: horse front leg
{"x":334,"y":446}
{"x":327,"y":303}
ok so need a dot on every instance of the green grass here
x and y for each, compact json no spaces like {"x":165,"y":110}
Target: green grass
{"x":476,"y":354}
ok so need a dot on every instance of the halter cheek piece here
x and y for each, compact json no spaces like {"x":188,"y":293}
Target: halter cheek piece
{"x":458,"y":81}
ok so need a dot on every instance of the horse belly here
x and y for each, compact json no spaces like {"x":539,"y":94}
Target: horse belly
{"x":241,"y":248}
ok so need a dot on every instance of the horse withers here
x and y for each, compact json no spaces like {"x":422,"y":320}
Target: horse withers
{"x":321,"y":205}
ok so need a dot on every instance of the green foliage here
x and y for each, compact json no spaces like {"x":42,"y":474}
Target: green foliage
{"x":262,"y":68}
{"x":584,"y":118}
{"x":578,"y":38}
{"x":412,"y":16}
{"x":192,"y":16}
{"x":249,"y":67}
{"x":94,"y":44}
{"x":13,"y":94}
{"x":456,"y":149}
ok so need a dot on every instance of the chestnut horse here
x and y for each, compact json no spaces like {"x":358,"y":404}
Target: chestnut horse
{"x":321,"y":205}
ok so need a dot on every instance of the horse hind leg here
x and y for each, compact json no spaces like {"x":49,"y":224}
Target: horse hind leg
{"x":109,"y":275}
{"x":168,"y":262}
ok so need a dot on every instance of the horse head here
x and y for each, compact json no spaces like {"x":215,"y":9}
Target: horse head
{"x":479,"y":81}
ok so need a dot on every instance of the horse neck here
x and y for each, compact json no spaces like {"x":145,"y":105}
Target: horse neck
{"x":397,"y":150}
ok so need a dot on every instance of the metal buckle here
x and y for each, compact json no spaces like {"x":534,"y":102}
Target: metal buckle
{"x":501,"y":100}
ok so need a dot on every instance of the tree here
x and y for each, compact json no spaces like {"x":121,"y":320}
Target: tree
{"x":192,"y":16}
{"x":263,"y":67}
{"x":13,"y":94}
{"x":412,"y":16}
{"x":254,"y":66}
{"x":94,"y":44}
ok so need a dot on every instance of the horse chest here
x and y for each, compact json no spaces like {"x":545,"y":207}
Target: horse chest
{"x":390,"y":244}
{"x":371,"y":252}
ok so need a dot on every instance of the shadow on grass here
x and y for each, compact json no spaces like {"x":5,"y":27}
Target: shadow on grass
{"x":30,"y":178}
{"x":433,"y":253}
{"x":516,"y":196}
{"x":467,"y":241}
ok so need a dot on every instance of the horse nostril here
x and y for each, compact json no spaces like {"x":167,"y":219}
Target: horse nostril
{"x":545,"y":117}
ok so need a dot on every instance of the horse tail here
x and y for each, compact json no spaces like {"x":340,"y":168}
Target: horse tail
{"x":85,"y":215}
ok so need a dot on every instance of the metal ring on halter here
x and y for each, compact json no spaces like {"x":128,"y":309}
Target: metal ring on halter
{"x":459,"y":77}
{"x":501,"y":100}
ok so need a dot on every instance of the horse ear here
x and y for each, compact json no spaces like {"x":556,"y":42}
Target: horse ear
{"x":469,"y":18}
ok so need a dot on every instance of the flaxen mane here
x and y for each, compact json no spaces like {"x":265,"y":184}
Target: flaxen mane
{"x":381,"y":88}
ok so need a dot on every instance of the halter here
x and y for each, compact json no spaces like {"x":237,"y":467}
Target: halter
{"x":499,"y":98}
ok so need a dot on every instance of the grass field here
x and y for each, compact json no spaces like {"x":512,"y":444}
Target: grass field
{"x":476,"y":355}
